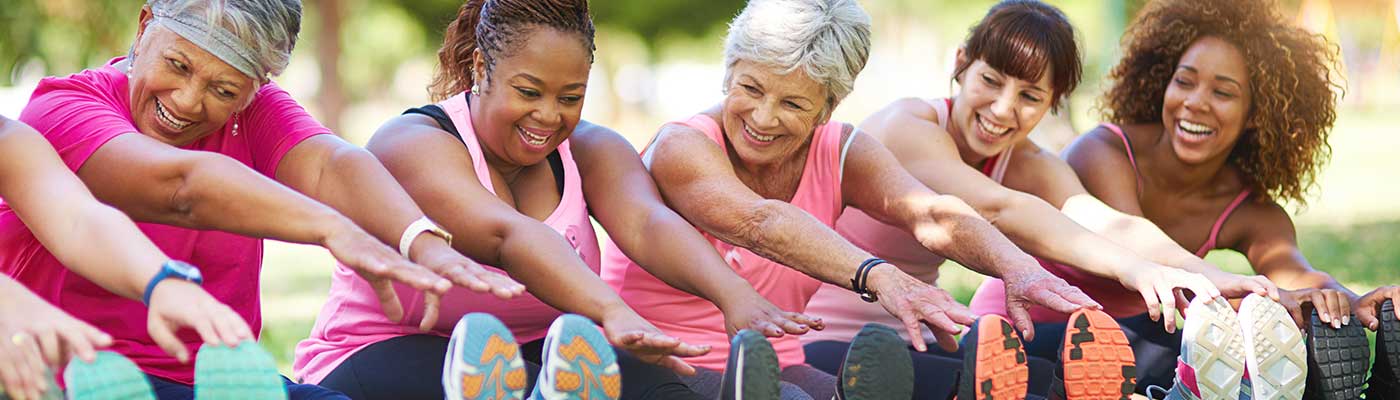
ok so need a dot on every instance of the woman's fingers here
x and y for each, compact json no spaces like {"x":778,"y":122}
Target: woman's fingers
{"x":431,"y":303}
{"x":388,"y":299}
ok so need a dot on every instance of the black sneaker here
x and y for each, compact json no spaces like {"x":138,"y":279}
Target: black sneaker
{"x":1385,"y":373}
{"x":752,"y":372}
{"x":1336,"y":360}
{"x":877,"y":366}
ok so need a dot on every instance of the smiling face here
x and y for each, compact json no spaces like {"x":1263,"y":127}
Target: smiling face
{"x":534,"y":97}
{"x":767,"y":116}
{"x":993,"y":110}
{"x":180,"y":92}
{"x":1206,"y":105}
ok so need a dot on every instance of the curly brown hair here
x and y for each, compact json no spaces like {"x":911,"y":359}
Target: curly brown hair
{"x":1290,"y":74}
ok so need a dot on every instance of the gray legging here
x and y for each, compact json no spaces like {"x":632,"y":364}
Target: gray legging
{"x":800,"y":382}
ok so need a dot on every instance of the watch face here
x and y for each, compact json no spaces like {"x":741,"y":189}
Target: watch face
{"x":186,"y":270}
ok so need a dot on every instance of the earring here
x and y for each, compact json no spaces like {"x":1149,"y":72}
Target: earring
{"x":476,"y":90}
{"x":235,"y":124}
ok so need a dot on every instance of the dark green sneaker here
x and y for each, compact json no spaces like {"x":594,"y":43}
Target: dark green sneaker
{"x":109,"y":376}
{"x":877,"y":366}
{"x":234,"y":373}
{"x":752,"y":372}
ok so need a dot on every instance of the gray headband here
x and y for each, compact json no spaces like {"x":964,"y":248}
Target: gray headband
{"x":214,"y":39}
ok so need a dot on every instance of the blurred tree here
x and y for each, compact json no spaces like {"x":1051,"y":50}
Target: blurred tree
{"x":64,"y":36}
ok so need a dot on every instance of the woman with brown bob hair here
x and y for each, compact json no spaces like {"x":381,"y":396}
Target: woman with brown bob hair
{"x":1217,"y":113}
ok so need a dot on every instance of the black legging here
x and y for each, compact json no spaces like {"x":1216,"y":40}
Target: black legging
{"x":410,"y":367}
{"x":935,"y":372}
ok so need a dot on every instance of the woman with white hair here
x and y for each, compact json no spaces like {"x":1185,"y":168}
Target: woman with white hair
{"x":764,"y":175}
{"x":188,"y":134}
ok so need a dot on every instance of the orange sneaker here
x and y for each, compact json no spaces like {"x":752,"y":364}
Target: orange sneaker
{"x":995,"y":364}
{"x":1096,"y":362}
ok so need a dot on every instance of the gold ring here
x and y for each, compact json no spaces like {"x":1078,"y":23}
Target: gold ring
{"x":19,"y":338}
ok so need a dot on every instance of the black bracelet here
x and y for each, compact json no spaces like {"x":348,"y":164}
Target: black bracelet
{"x":862,"y":274}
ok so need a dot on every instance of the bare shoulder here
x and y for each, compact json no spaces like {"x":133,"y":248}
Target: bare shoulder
{"x":883,"y":122}
{"x":588,"y":136}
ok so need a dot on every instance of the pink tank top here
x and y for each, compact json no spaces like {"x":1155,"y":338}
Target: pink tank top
{"x":1116,"y":300}
{"x":351,"y":319}
{"x":841,"y":309}
{"x":698,"y":321}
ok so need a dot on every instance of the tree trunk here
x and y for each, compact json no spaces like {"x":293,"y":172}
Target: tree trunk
{"x":330,"y":96}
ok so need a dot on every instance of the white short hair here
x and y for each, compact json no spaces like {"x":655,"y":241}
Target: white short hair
{"x":268,"y":27}
{"x":828,"y":39}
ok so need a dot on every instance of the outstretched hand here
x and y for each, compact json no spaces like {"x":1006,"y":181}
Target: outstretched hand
{"x":916,"y":303}
{"x":1036,"y":286}
{"x":630,"y":332}
{"x":1160,"y":286}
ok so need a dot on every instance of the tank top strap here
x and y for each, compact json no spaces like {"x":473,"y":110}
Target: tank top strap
{"x":824,"y":163}
{"x":457,"y":109}
{"x":1128,"y":148}
{"x":1220,"y":222}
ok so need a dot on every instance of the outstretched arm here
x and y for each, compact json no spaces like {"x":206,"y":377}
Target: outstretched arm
{"x":102,"y":245}
{"x":625,"y":201}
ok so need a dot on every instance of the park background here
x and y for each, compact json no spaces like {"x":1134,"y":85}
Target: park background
{"x":359,"y":62}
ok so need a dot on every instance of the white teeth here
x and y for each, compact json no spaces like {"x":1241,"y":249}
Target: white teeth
{"x":1194,"y":128}
{"x":758,"y":137}
{"x":169,"y":121}
{"x":533,"y":139}
{"x":991,"y":128}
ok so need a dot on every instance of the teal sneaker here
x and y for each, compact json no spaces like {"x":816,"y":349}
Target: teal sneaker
{"x":752,"y":371}
{"x":235,"y":373}
{"x":578,"y":363}
{"x":877,"y":366}
{"x":483,"y":361}
{"x":109,"y":376}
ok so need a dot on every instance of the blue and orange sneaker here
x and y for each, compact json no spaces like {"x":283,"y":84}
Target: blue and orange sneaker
{"x":233,"y":373}
{"x":483,"y":361}
{"x":109,"y":376}
{"x":995,"y":366}
{"x":1212,"y":361}
{"x":578,"y":363}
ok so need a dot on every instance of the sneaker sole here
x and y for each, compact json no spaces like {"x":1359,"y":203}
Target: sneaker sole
{"x":1216,"y":349}
{"x":1275,"y":352}
{"x":752,"y":371}
{"x":110,"y":376}
{"x":877,"y":366}
{"x":1097,"y":359}
{"x":580,"y":363}
{"x":996,"y":366}
{"x":234,"y":373}
{"x":1389,"y":338}
{"x":487,"y":364}
{"x":1340,"y":357}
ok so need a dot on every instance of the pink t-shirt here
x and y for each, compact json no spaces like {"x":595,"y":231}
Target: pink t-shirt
{"x":80,"y":113}
{"x":351,"y":319}
{"x":698,"y":321}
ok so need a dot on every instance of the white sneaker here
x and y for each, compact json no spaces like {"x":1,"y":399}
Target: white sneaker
{"x":1274,"y":349}
{"x":1213,"y":349}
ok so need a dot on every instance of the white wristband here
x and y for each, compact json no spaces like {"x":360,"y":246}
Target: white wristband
{"x":418,"y":228}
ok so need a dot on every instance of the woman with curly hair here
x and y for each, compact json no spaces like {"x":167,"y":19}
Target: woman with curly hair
{"x":1217,"y":112}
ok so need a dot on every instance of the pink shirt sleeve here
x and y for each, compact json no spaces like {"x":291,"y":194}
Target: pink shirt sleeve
{"x":80,"y":113}
{"x":275,"y":123}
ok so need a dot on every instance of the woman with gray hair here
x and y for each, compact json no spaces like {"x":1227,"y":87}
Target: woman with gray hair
{"x":188,"y":134}
{"x":764,"y":175}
